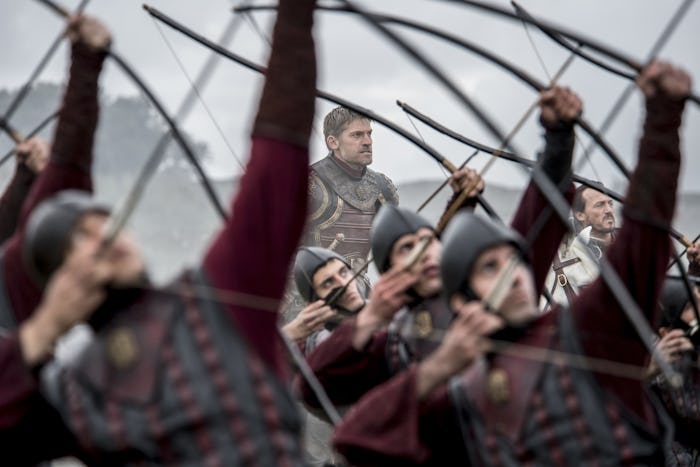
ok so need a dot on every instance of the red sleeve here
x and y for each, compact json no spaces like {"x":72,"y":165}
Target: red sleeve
{"x":252,"y":252}
{"x":528,"y":216}
{"x":17,"y":383}
{"x":390,"y":427}
{"x":639,"y":254}
{"x":12,"y":199}
{"x":251,"y":255}
{"x":344,"y":372}
{"x":68,"y":168}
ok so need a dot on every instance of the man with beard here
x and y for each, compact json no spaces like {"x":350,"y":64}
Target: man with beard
{"x":344,"y":192}
{"x":193,"y":373}
{"x":576,"y":263}
{"x":515,"y":397}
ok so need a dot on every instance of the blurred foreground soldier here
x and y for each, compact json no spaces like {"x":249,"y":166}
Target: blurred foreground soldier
{"x":502,"y":407}
{"x":192,"y":374}
{"x":29,"y":330}
{"x":406,"y":309}
{"x":679,"y":343}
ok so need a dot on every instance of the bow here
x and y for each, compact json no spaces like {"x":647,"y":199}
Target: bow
{"x":152,"y":164}
{"x":656,"y":48}
{"x":34,"y":132}
{"x":553,"y":29}
{"x":15,"y":135}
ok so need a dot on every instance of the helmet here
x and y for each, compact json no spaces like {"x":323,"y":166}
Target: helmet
{"x":464,"y":239}
{"x":309,"y":260}
{"x":390,"y":224}
{"x":674,"y":298}
{"x":48,"y":231}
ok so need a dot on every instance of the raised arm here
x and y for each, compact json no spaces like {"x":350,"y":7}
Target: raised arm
{"x":252,"y":253}
{"x":71,"y":157}
{"x":70,"y":163}
{"x":641,"y":249}
{"x":558,"y":107}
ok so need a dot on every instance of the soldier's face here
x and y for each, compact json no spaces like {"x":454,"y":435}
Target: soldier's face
{"x":336,"y":274}
{"x":598,"y":213}
{"x":428,"y":266}
{"x":122,"y":254}
{"x":354,"y":144}
{"x":520,"y":302}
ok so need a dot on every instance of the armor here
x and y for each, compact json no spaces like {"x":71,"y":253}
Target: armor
{"x":169,"y":380}
{"x":341,"y":203}
{"x":411,"y":336}
{"x":513,"y":410}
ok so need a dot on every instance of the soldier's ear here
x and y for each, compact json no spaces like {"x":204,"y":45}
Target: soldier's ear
{"x":332,"y":142}
{"x":580,"y":216}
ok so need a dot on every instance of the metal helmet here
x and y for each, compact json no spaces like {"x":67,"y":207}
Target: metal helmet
{"x":48,"y":231}
{"x":309,"y":260}
{"x":390,"y":224}
{"x":674,"y":298}
{"x":464,"y":239}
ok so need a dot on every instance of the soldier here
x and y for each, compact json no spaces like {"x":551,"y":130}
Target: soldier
{"x":345,"y":193}
{"x":29,"y":329}
{"x":193,"y":373}
{"x":318,"y":274}
{"x":576,"y":263}
{"x":679,"y":344}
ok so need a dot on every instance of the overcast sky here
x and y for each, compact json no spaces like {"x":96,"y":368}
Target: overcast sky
{"x":361,"y":66}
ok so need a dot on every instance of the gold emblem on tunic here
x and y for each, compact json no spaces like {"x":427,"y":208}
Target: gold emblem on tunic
{"x":498,"y":389}
{"x":424,"y":324}
{"x":121,"y":347}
